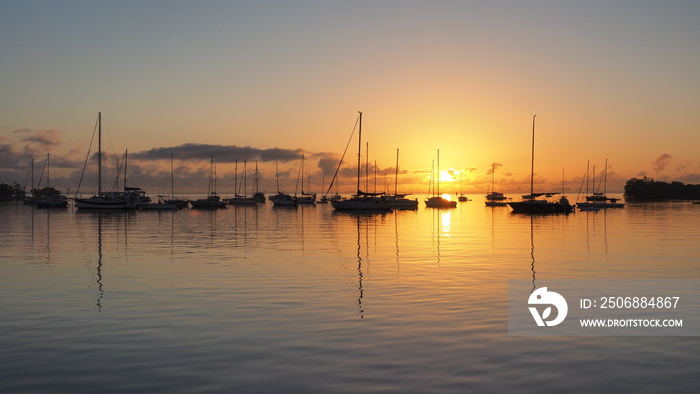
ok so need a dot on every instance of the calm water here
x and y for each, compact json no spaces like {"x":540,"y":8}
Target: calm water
{"x":310,"y":300}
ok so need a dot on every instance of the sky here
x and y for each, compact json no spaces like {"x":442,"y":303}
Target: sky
{"x":268,"y":81}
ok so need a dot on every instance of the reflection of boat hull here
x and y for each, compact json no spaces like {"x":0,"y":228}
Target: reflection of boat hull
{"x":587,"y":208}
{"x":439,"y":202}
{"x":540,"y":207}
{"x":158,"y":207}
{"x":496,"y":203}
{"x":600,"y":204}
{"x":178,"y":203}
{"x":241,"y":201}
{"x":362,"y":204}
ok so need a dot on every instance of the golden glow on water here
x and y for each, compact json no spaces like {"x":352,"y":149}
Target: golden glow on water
{"x":445,"y":222}
{"x":281,"y":284}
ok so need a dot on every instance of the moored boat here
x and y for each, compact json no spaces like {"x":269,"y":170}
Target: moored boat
{"x":53,"y":201}
{"x":178,"y":202}
{"x":240,"y":199}
{"x":282,"y":199}
{"x":494,"y":198}
{"x":362,"y":201}
{"x":104,"y":200}
{"x":50,"y":197}
{"x":213,"y":200}
{"x":598,"y":199}
{"x":533,"y":203}
{"x":437,"y":200}
{"x":400,"y":201}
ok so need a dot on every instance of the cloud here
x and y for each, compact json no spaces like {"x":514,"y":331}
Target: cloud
{"x":693,"y":178}
{"x":328,"y":164}
{"x":661,"y":162}
{"x":40,"y":137}
{"x":222,"y":153}
{"x":493,"y":167}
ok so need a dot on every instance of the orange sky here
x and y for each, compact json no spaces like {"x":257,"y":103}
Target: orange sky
{"x":606,"y":81}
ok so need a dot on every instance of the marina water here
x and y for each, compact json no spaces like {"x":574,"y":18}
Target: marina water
{"x":263,"y":299}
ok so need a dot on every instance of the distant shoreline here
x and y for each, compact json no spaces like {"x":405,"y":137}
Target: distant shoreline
{"x":647,"y":189}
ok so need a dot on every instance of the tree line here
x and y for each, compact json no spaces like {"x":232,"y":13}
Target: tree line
{"x":17,"y":192}
{"x":647,"y":189}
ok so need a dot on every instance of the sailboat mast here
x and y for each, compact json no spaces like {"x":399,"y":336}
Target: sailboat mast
{"x":257,"y":186}
{"x":48,"y":155}
{"x":594,"y":188}
{"x":99,"y":153}
{"x":359,"y":152}
{"x":302,"y":174}
{"x":172,"y":178}
{"x":126,"y":155}
{"x":605,"y":177}
{"x":236,"y":187}
{"x":438,"y":173}
{"x":396,"y":176}
{"x":367,"y":168}
{"x":375,"y":176}
{"x":588,"y":166}
{"x":277,"y":171}
{"x":211,"y":175}
{"x":532,"y":163}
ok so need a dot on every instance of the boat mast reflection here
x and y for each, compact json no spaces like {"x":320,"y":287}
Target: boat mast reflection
{"x":100,"y":291}
{"x":359,"y":272}
{"x":532,"y":251}
{"x":367,"y":218}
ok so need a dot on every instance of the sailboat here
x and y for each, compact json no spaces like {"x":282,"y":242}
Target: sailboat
{"x":530,"y":203}
{"x":281,"y":198}
{"x":600,"y":200}
{"x":362,"y":201}
{"x":399,"y":201}
{"x":179,"y":202}
{"x":324,"y":198}
{"x":144,"y":202}
{"x":438,"y":201}
{"x":258,"y":196}
{"x":52,"y":197}
{"x":34,"y":197}
{"x":212,"y":200}
{"x":462,"y":197}
{"x":494,"y":198}
{"x":306,"y":198}
{"x":240,"y":199}
{"x":103,"y":200}
{"x":136,"y":194}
